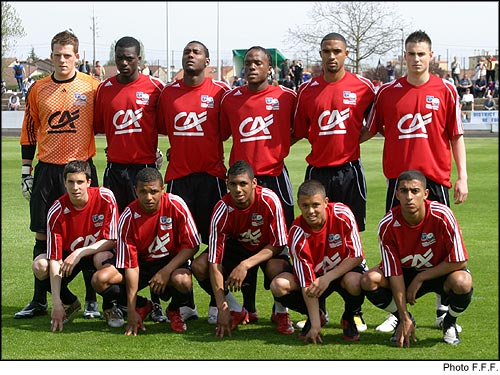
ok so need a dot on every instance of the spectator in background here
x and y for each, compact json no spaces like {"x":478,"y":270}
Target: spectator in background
{"x":480,"y":87}
{"x":490,"y":88}
{"x":85,"y":67}
{"x":13,"y":104}
{"x":297,"y":72}
{"x":489,"y":103}
{"x":237,"y":82}
{"x":288,"y":83}
{"x":455,"y":70}
{"x":450,"y":79}
{"x":284,"y":69}
{"x":19,"y":73}
{"x":391,"y":71}
{"x":491,"y":64}
{"x":146,"y":70}
{"x":467,"y":105}
{"x":465,"y":83}
{"x":99,"y":72}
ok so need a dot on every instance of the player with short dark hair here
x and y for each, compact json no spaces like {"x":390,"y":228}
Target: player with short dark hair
{"x":327,"y":256}
{"x":58,"y":120}
{"x":157,"y":237}
{"x":259,"y":117}
{"x":248,"y":231}
{"x":330,"y":112}
{"x":81,"y":234}
{"x":188,"y":113}
{"x":419,"y":114}
{"x":422,"y":251}
{"x":125,"y":111}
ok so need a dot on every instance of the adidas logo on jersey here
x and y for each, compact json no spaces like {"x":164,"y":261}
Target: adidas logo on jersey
{"x":398,"y":85}
{"x":136,"y":215}
{"x":108,"y":84}
{"x":315,"y":83}
{"x":397,"y":224}
{"x":237,"y":93}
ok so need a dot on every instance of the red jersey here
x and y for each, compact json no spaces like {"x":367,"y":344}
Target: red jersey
{"x":69,"y":228}
{"x":190,"y":117}
{"x":260,"y":124}
{"x":260,"y":224}
{"x":315,"y":253}
{"x":127,"y":115}
{"x":330,"y":115}
{"x":144,"y":237}
{"x":418,"y":123}
{"x":59,"y":117}
{"x":436,"y":239}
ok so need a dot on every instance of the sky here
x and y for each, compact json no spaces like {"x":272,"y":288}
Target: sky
{"x":241,"y":25}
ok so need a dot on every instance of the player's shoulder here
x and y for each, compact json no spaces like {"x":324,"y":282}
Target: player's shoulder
{"x":88,"y":78}
{"x":220,"y":84}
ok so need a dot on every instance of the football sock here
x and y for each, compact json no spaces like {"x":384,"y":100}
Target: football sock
{"x":67,"y":297}
{"x":293,"y":301}
{"x":458,"y":303}
{"x":178,"y":299}
{"x":40,"y":289}
{"x":190,"y":302}
{"x":279,"y":308}
{"x":109,"y":296}
{"x":155,"y":298}
{"x":207,"y":287}
{"x":233,"y":304}
{"x":381,"y":297}
{"x":90,"y":294}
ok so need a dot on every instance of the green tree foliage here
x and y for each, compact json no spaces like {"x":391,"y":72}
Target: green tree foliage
{"x":12,"y":28}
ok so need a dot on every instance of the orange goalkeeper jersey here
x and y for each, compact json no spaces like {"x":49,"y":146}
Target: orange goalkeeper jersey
{"x":59,"y":119}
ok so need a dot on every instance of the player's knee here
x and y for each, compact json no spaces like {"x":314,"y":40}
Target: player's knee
{"x":279,"y":286}
{"x":199,"y":267}
{"x":100,"y":280}
{"x":182,"y":281}
{"x":461,"y":282}
{"x":40,"y":267}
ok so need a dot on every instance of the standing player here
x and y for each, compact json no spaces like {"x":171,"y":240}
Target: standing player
{"x":58,"y":119}
{"x":327,"y":256}
{"x":189,"y":114}
{"x":247,"y":231}
{"x":330,"y":112}
{"x":422,"y":251}
{"x":125,"y":111}
{"x":419,"y":117}
{"x":82,"y":231}
{"x":259,"y":118}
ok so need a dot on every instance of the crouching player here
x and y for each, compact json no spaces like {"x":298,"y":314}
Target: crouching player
{"x":157,"y":237}
{"x":422,"y":252}
{"x":81,"y":235}
{"x":327,"y":256}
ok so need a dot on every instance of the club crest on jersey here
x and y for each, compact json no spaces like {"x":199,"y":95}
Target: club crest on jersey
{"x":207,"y":101}
{"x":334,"y":240}
{"x":428,"y":239}
{"x":272,"y":104}
{"x":165,"y":223}
{"x":98,"y":220}
{"x":431,"y":102}
{"x":349,"y":98}
{"x":257,"y":220}
{"x":142,"y":98}
{"x":80,"y":99}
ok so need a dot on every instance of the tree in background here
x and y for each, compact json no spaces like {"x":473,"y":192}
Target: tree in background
{"x":12,"y":28}
{"x":370,"y":28}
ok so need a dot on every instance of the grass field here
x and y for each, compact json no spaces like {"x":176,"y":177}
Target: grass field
{"x":93,"y":340}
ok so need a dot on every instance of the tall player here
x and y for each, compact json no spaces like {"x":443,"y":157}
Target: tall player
{"x":125,"y":110}
{"x":58,"y":119}
{"x":330,"y":112}
{"x":82,"y":232}
{"x":419,"y":117}
{"x":259,"y":118}
{"x":189,"y":114}
{"x":422,"y":251}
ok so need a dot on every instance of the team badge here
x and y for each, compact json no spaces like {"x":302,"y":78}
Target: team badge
{"x":349,"y":98}
{"x":207,"y":101}
{"x":257,"y":220}
{"x":272,"y":104}
{"x":165,"y":223}
{"x":142,"y":98}
{"x":428,"y":239}
{"x":431,"y":102}
{"x":334,"y":240}
{"x":80,"y":99}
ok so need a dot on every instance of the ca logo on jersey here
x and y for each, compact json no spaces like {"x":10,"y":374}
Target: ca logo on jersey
{"x":189,"y":124}
{"x":84,"y":241}
{"x":252,"y":237}
{"x":158,"y":248}
{"x":414,"y":126}
{"x":334,"y":122}
{"x":328,"y":263}
{"x":63,"y":122}
{"x":256,"y":129}
{"x":127,"y":121}
{"x":418,"y":260}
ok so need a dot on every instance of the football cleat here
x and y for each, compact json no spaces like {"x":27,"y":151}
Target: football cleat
{"x":32,"y":309}
{"x":240,"y":317}
{"x":389,"y":324}
{"x":91,"y":310}
{"x":360,"y":322}
{"x":323,"y":318}
{"x":301,"y":323}
{"x":213,"y":312}
{"x":450,"y":334}
{"x":284,"y":323}
{"x":349,"y":330}
{"x":70,"y":310}
{"x":157,"y":314}
{"x":393,"y":337}
{"x":114,"y":317}
{"x":145,"y":310}
{"x":439,"y":323}
{"x":188,"y":313}
{"x":176,"y":322}
{"x":253,"y":317}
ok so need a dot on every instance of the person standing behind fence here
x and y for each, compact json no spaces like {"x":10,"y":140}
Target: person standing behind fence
{"x":19,"y":74}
